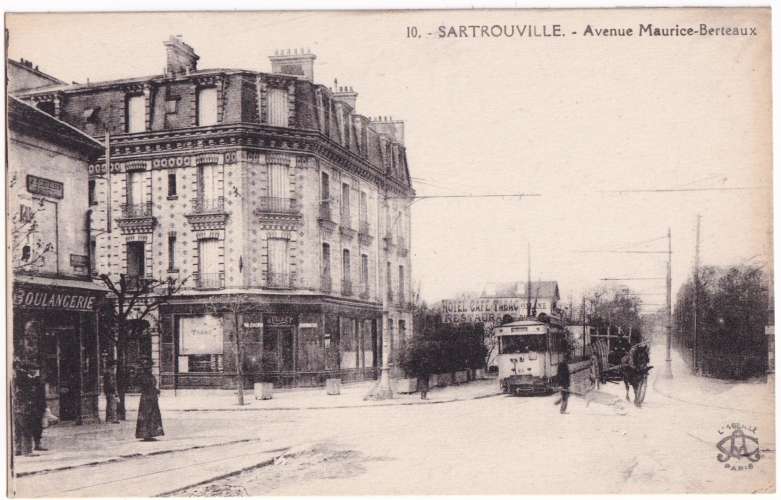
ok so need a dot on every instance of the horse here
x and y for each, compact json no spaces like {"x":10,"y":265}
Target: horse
{"x":634,"y":369}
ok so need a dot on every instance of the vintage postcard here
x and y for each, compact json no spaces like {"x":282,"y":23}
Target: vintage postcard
{"x":390,"y":252}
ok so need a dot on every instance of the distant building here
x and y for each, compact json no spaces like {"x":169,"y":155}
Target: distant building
{"x":54,"y":299}
{"x":503,"y":299}
{"x":263,"y":189}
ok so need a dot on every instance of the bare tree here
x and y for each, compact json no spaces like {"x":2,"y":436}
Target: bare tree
{"x":132,"y":300}
{"x":233,"y":305}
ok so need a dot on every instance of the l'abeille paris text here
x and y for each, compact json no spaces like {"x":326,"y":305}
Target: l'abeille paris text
{"x":653,"y":30}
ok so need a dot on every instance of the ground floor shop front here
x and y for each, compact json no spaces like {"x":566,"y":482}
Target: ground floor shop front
{"x":287,"y":340}
{"x":55,"y":333}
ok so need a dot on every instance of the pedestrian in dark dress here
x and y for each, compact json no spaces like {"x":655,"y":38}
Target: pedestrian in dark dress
{"x":423,"y":385}
{"x":38,"y":410}
{"x":110,"y":390}
{"x":22,"y":408}
{"x":564,"y":383}
{"x":150,"y":423}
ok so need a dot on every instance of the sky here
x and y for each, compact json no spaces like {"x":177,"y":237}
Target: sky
{"x":586,"y":123}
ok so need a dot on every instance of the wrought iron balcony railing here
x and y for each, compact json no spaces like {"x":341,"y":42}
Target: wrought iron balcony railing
{"x":135,"y":210}
{"x":347,"y":287}
{"x":325,"y":212}
{"x":133,"y":282}
{"x":325,"y":283}
{"x":276,"y":205}
{"x":279,"y":281}
{"x":209,"y":281}
{"x":208,"y":205}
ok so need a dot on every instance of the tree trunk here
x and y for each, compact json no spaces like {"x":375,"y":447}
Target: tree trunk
{"x":121,"y":372}
{"x":239,"y":368}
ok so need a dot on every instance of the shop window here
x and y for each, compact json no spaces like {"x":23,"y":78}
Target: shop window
{"x":277,"y":107}
{"x":136,"y":114}
{"x":200,"y":344}
{"x":207,"y":106}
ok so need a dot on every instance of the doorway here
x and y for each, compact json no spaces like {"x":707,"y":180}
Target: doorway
{"x":61,"y":371}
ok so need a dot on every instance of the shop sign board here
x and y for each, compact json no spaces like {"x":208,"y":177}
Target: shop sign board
{"x":45,"y":187}
{"x":67,"y":299}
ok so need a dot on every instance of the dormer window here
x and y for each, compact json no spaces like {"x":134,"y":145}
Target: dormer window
{"x":277,"y":107}
{"x":207,"y":106}
{"x":171,"y":105}
{"x":136,"y":114}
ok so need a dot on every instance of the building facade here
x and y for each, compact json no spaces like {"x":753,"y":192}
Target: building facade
{"x":54,"y":300}
{"x":270,"y":197}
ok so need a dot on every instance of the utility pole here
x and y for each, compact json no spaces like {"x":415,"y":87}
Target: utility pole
{"x":668,"y":372}
{"x":529,"y":281}
{"x":583,"y":317}
{"x":696,"y":296}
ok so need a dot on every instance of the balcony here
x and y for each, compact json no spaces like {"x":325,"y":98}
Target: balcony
{"x":278,"y":210}
{"x":401,"y":247}
{"x":137,"y":218}
{"x":209,"y":281}
{"x":347,"y":288}
{"x":363,"y":233}
{"x":279,"y":281}
{"x":325,"y":215}
{"x":207,"y":214}
{"x":208,"y":205}
{"x":135,"y":283}
{"x":325,"y":283}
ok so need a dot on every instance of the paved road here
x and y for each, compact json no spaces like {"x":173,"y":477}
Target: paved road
{"x":500,"y":445}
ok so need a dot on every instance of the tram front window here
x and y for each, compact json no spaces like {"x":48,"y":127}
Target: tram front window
{"x":517,"y":344}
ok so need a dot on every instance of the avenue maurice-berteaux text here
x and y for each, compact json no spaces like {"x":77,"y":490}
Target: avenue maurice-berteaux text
{"x":590,"y":30}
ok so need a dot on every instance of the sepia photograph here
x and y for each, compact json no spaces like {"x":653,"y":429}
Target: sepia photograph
{"x":389,"y":252}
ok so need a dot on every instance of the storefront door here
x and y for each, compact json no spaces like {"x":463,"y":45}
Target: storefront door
{"x":285,"y":343}
{"x":68,"y":372}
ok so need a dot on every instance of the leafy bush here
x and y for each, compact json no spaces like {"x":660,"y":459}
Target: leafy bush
{"x":441,"y":348}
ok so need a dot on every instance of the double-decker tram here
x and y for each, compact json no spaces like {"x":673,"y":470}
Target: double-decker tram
{"x":529,"y":354}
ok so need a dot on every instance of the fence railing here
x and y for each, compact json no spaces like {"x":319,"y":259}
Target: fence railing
{"x":209,"y":280}
{"x":279,"y":280}
{"x":208,"y":205}
{"x":277,"y":205}
{"x":130,"y":210}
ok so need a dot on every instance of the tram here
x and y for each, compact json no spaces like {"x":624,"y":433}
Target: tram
{"x":529,"y":354}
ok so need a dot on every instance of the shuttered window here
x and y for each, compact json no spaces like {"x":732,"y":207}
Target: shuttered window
{"x":136,"y":111}
{"x":278,"y":261}
{"x":278,"y":180}
{"x":207,"y":181}
{"x":135,"y":188}
{"x":207,"y":106}
{"x":277,"y":107}
{"x":208,"y":257}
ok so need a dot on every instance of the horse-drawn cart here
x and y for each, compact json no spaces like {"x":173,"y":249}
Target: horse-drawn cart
{"x":620,"y":362}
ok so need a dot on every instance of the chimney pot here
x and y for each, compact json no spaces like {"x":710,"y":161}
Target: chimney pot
{"x":180,"y":57}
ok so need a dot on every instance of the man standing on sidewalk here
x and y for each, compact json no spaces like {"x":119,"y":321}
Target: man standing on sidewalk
{"x":564,"y":382}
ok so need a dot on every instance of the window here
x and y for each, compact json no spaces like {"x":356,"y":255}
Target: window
{"x":171,"y":252}
{"x":135,"y":188}
{"x":364,"y":210}
{"x":208,"y":264}
{"x":136,"y":114}
{"x":278,"y":263}
{"x":207,"y":106}
{"x":171,"y":105}
{"x":93,"y":248}
{"x":207,"y":182}
{"x":91,"y":193}
{"x":402,"y":333}
{"x":325,"y":191}
{"x":278,"y":180}
{"x":135,"y":259}
{"x":518,"y":344}
{"x":345,"y":204}
{"x":171,"y":185}
{"x":346,"y":265}
{"x":200,"y":344}
{"x":365,"y":273}
{"x":388,"y":277}
{"x":325,"y":265}
{"x":277,"y":107}
{"x":401,"y":283}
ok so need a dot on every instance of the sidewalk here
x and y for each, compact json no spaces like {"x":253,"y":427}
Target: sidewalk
{"x":72,"y":446}
{"x":753,"y":396}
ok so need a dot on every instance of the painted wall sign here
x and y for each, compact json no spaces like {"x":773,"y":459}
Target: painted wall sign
{"x":45,"y":187}
{"x":200,"y":335}
{"x":279,"y":320}
{"x":54,"y":298}
{"x":482,"y":310}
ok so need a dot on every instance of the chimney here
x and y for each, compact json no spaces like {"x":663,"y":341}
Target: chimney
{"x":387,"y":125}
{"x":346,"y":95}
{"x":180,"y":57}
{"x":298,"y":62}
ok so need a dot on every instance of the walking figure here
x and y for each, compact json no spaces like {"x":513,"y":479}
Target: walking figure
{"x":110,"y":390}
{"x":150,"y":423}
{"x":38,"y":409}
{"x":22,"y":408}
{"x":564,"y":382}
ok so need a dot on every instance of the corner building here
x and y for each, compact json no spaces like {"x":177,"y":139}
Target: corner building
{"x":269,"y":195}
